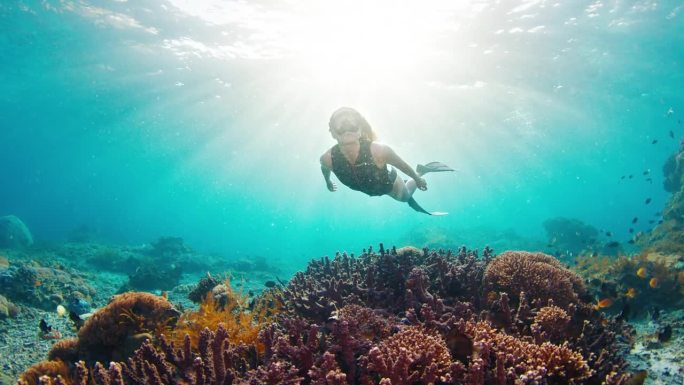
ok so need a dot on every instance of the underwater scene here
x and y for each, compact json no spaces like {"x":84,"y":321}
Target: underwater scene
{"x":335,"y":192}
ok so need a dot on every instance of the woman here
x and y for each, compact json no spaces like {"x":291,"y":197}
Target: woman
{"x":361,"y":164}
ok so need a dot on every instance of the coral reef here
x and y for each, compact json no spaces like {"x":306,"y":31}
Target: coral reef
{"x":399,"y":316}
{"x":638,"y":283}
{"x":41,"y":286}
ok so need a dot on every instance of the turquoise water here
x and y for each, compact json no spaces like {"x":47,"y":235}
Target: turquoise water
{"x":203,"y":120}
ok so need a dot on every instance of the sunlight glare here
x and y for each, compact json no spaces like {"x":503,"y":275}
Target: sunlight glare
{"x":356,"y":42}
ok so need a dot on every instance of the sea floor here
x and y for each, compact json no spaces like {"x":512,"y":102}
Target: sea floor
{"x":21,"y":346}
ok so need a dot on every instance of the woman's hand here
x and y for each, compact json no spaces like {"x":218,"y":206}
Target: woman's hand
{"x":421,"y":183}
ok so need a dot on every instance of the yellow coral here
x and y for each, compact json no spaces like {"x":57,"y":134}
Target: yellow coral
{"x":242,"y":323}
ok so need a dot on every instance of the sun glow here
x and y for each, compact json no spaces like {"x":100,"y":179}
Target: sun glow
{"x":350,"y":42}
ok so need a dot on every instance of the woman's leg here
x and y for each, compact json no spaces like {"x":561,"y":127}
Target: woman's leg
{"x":402,"y":191}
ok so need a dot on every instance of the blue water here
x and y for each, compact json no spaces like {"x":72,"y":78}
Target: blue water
{"x":203,"y":120}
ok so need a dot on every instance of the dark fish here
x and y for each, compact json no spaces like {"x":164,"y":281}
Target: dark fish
{"x":671,"y":134}
{"x":647,"y":172}
{"x":631,"y":230}
{"x":631,"y":241}
{"x":624,"y":313}
{"x":613,"y":244}
{"x":609,"y":234}
{"x":635,"y":220}
{"x":623,"y":177}
{"x":269,"y":283}
{"x":654,"y":141}
{"x":655,"y":313}
{"x":44,"y":327}
{"x":651,"y":222}
{"x":660,"y":221}
{"x":648,"y":200}
{"x":649,"y":180}
{"x":631,"y":176}
{"x":76,"y":319}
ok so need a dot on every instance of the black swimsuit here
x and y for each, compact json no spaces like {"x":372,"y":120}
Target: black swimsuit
{"x":364,"y":175}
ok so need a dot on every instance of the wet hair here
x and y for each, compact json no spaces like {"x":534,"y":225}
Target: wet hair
{"x":365,"y":128}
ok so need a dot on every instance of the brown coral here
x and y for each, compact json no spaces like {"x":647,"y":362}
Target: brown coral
{"x":552,"y":321}
{"x":410,"y":356}
{"x":526,"y":362}
{"x":51,"y":369}
{"x":114,"y":332}
{"x":539,"y":275}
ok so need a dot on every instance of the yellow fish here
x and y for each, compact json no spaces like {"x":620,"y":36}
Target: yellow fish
{"x":606,"y":302}
{"x":653,"y":283}
{"x":641,"y":273}
{"x":631,"y":292}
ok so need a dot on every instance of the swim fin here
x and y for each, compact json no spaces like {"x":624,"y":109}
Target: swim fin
{"x":432,"y":167}
{"x":414,"y":205}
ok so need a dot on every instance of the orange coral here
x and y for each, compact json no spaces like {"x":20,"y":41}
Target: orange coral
{"x":232,"y":311}
{"x":539,"y":275}
{"x":51,"y":369}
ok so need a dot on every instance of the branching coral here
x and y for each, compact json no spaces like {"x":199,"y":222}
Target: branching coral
{"x":389,"y":318}
{"x":411,"y":356}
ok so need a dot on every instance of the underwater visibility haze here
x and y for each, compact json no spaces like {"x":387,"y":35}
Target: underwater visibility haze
{"x":161,"y":184}
{"x":205,"y":119}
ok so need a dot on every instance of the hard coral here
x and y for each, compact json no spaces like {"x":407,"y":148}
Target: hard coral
{"x":411,"y":356}
{"x":539,"y":275}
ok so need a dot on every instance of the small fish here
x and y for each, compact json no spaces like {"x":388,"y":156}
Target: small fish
{"x":654,"y":141}
{"x":609,"y":234}
{"x":650,"y":180}
{"x":624,"y":313}
{"x":604,"y":303}
{"x":641,"y":272}
{"x":653,"y":283}
{"x":623,"y":177}
{"x":660,"y":221}
{"x":646,"y":172}
{"x":652,"y":221}
{"x":269,"y":283}
{"x":671,"y":134}
{"x":647,"y":201}
{"x":631,"y":176}
{"x":44,"y":327}
{"x":635,"y":220}
{"x":637,"y":378}
{"x":631,"y":241}
{"x":61,"y":310}
{"x":612,"y":244}
{"x":76,"y":319}
{"x":631,"y":292}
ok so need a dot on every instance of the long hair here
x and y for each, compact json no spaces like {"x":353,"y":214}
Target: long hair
{"x":364,"y":127}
